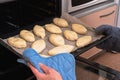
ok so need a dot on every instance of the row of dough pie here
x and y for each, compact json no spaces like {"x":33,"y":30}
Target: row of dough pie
{"x":55,"y":37}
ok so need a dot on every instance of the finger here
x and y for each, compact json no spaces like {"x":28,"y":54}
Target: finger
{"x":35,"y":71}
{"x":103,"y":29}
{"x":45,"y":68}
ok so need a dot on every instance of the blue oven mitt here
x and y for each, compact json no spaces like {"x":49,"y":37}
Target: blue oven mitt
{"x":113,"y":43}
{"x":63,"y":63}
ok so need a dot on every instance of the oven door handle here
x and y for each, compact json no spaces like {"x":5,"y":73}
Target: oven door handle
{"x":107,"y":14}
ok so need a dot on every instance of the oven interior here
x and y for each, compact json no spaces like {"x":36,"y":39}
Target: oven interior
{"x":19,"y":14}
{"x":16,"y":15}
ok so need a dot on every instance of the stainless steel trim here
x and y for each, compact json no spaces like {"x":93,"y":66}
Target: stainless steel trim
{"x":71,"y":9}
{"x":87,"y":11}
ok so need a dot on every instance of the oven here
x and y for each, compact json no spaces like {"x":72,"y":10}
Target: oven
{"x":74,"y":5}
{"x":17,"y":15}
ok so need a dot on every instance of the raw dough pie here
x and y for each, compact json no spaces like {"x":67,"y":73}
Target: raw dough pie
{"x":27,"y":35}
{"x":70,"y":35}
{"x":53,"y":28}
{"x":17,"y":42}
{"x":39,"y":31}
{"x":38,"y":45}
{"x":79,"y":28}
{"x":61,"y":49}
{"x":83,"y":41}
{"x":56,"y":39}
{"x":60,"y":22}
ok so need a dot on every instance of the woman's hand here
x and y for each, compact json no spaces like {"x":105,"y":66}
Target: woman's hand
{"x":49,"y":73}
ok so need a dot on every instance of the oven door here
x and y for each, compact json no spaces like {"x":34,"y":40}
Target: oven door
{"x":74,"y":5}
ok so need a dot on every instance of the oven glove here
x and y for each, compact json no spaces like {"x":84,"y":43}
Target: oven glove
{"x":113,"y":43}
{"x":64,"y":63}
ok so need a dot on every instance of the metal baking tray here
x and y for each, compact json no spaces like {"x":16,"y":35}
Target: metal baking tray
{"x":96,"y":39}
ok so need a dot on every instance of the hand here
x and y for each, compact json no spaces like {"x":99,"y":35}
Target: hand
{"x":111,"y":44}
{"x":63,"y":63}
{"x":49,"y":73}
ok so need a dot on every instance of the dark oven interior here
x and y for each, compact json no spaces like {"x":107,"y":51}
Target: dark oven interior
{"x":14,"y":16}
{"x":19,"y":14}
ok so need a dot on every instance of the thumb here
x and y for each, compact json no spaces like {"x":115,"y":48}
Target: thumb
{"x":35,"y":71}
{"x":45,"y":68}
{"x":103,"y":29}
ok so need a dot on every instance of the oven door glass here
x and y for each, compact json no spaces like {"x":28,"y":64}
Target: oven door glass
{"x":80,"y":2}
{"x":87,"y":72}
{"x":74,"y":5}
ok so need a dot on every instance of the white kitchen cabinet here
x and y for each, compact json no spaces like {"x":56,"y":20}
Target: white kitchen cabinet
{"x":105,"y":16}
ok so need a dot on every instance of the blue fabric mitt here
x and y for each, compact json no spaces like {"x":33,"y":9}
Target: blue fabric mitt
{"x":63,"y":63}
{"x":113,"y":43}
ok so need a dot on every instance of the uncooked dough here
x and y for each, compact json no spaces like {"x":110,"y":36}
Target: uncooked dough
{"x":83,"y":41}
{"x":79,"y":28}
{"x":61,"y":49}
{"x":70,"y":35}
{"x":60,"y":22}
{"x":17,"y":42}
{"x":56,"y":39}
{"x":39,"y":31}
{"x":38,"y":45}
{"x":27,"y":35}
{"x":53,"y":28}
